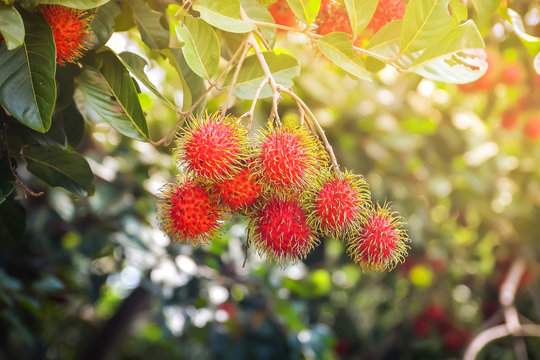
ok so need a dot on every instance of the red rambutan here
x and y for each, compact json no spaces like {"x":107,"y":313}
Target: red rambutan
{"x":280,"y":231}
{"x":239,"y":192}
{"x":336,"y":202}
{"x":381,"y":242}
{"x":332,"y":17}
{"x":188,"y":213}
{"x":282,"y":13}
{"x":387,"y":11}
{"x":287,"y":157}
{"x":212,"y":148}
{"x":71,"y":31}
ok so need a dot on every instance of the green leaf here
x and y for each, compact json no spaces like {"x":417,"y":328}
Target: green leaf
{"x":192,"y":85}
{"x":148,"y":22}
{"x":75,"y":4}
{"x":201,"y":46}
{"x":425,"y":23}
{"x":73,"y":123}
{"x":224,"y":15}
{"x":386,"y":41}
{"x":11,"y":26}
{"x":135,"y":64}
{"x":305,"y":10}
{"x":519,"y":28}
{"x":59,"y":167}
{"x":282,"y":66}
{"x":360,"y":13}
{"x":27,"y":85}
{"x":12,"y":221}
{"x":111,"y":94}
{"x":257,"y":11}
{"x":6,"y":178}
{"x":484,"y":11}
{"x":48,"y":284}
{"x":337,"y":47}
{"x":459,"y":58}
{"x":103,"y":24}
{"x":459,"y":11}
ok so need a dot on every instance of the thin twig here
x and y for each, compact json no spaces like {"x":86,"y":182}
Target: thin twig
{"x":316,"y":36}
{"x":251,"y":111}
{"x":245,"y":46}
{"x":166,"y":140}
{"x":318,"y":126}
{"x":276,"y":97}
{"x":512,"y":325}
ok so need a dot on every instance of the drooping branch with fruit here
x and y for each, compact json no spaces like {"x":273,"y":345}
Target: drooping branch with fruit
{"x":286,"y":179}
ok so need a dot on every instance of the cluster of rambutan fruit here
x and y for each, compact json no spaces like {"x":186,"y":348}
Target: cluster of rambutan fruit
{"x":283,"y":183}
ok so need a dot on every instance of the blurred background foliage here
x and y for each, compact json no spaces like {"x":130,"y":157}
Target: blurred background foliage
{"x":93,"y":277}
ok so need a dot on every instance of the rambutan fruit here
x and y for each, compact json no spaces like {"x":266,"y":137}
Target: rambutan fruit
{"x":386,"y":11}
{"x":279,"y":230}
{"x":71,"y":31}
{"x":188,"y":212}
{"x":509,"y":118}
{"x":332,"y":17}
{"x":212,"y":147}
{"x":240,"y":191}
{"x":286,"y":157}
{"x":511,"y":74}
{"x":282,"y":14}
{"x":381,"y":242}
{"x":532,"y":129}
{"x":335,"y":202}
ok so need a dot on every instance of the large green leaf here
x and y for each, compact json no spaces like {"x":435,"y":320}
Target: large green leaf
{"x":103,"y":24}
{"x":224,"y":15}
{"x":6,"y":178}
{"x":76,"y":4}
{"x":360,"y":13}
{"x":148,"y":22}
{"x":27,"y":86}
{"x":72,"y":122}
{"x":337,"y":47}
{"x":425,"y":23}
{"x":305,"y":10}
{"x":459,"y":58}
{"x":59,"y":167}
{"x":136,"y":64}
{"x":484,"y":11}
{"x":386,"y":41}
{"x":11,"y":26}
{"x":283,"y":67}
{"x":110,"y":92}
{"x":201,"y":46}
{"x":256,"y":11}
{"x":192,"y":85}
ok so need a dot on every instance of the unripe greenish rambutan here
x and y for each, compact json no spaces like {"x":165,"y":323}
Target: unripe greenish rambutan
{"x":286,"y":158}
{"x":279,"y":230}
{"x":239,"y":192}
{"x":381,"y":243}
{"x":188,"y":212}
{"x":212,"y":147}
{"x":336,"y":202}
